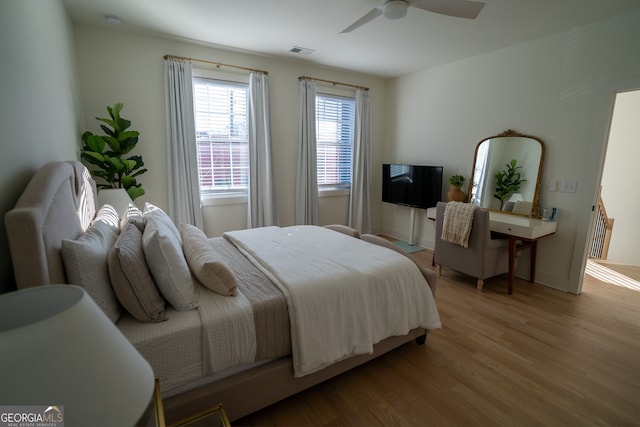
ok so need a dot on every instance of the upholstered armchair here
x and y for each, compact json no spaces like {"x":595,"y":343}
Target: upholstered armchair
{"x":483,"y":258}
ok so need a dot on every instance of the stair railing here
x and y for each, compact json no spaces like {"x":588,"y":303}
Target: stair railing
{"x":601,"y":232}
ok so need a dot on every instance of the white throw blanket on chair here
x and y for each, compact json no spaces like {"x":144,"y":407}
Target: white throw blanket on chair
{"x":457,"y":222}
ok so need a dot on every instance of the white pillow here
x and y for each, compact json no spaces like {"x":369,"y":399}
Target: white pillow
{"x":165,"y":259}
{"x":108,"y":215}
{"x":131,"y":279}
{"x":85,"y":263}
{"x":134,"y":216}
{"x":158,"y":215}
{"x":209,"y":267}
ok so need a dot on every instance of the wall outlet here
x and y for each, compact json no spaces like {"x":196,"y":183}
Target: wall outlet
{"x":569,"y":186}
{"x":553,"y":185}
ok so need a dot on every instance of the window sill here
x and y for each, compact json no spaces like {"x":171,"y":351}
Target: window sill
{"x":224,"y":199}
{"x":333,"y":192}
{"x":239,"y":199}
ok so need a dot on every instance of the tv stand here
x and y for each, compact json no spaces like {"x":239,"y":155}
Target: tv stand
{"x":412,"y":232}
{"x":412,"y":227}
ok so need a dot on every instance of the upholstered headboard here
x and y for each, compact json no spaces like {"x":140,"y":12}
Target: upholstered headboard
{"x":58,"y":203}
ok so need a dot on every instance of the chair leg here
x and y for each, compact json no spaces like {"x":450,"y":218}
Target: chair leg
{"x":480,"y":283}
{"x":438,"y":270}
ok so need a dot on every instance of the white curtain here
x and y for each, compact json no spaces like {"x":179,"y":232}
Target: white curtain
{"x":307,"y":181}
{"x":182,"y":160}
{"x":261,"y":209}
{"x":359,"y":202}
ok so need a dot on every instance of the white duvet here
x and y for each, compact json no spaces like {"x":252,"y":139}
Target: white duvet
{"x":344,"y":294}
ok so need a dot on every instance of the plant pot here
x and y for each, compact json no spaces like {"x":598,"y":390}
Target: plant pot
{"x":455,"y":194}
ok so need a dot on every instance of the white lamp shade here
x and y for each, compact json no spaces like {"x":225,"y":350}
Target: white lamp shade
{"x":116,"y":197}
{"x":59,"y":348}
{"x":516,"y":197}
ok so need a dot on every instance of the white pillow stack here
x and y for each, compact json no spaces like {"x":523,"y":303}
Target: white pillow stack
{"x":142,"y":261}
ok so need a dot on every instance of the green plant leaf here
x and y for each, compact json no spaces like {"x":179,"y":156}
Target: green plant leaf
{"x":123,"y":124}
{"x":113,"y":143}
{"x":115,"y":111}
{"x":140,"y":172}
{"x":117,"y":163}
{"x":129,"y":165}
{"x":94,"y":142}
{"x":111,"y":123}
{"x":138,"y":160}
{"x":128,"y":134}
{"x":128,"y":181}
{"x":135,"y":192}
{"x":93,"y":157}
{"x":128,"y":144}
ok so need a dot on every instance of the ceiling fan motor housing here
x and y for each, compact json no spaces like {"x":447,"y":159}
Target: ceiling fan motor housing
{"x":394,"y":9}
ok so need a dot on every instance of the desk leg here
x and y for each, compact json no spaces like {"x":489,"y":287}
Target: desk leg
{"x":532,"y":267}
{"x":513,"y":250}
{"x":512,"y":261}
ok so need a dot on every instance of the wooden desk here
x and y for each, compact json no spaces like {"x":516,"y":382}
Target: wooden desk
{"x":517,"y":244}
{"x":522,"y":232}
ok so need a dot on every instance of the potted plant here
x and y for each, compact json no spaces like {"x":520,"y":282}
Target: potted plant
{"x":112,"y":165}
{"x":508,"y":182}
{"x":455,"y":194}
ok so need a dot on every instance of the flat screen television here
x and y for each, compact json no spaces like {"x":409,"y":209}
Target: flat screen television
{"x":415,"y":186}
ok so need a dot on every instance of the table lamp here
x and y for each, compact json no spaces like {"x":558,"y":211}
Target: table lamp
{"x":59,"y":350}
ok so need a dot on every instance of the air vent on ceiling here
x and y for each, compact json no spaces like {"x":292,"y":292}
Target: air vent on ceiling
{"x":301,"y":50}
{"x":113,"y":19}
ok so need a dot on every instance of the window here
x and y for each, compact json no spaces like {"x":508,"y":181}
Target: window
{"x":334,"y":135}
{"x":222,"y":135}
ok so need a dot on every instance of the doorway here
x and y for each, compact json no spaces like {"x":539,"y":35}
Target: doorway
{"x":622,"y":263}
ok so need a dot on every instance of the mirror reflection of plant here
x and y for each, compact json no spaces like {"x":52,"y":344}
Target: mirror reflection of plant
{"x":508,"y":182}
{"x":112,"y":166}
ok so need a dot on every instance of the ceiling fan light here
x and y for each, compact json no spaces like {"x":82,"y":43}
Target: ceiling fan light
{"x":394,"y":9}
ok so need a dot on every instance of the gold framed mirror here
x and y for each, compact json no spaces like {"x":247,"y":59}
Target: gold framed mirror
{"x":506,"y":174}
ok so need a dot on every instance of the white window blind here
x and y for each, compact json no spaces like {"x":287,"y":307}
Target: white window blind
{"x":222,"y":135}
{"x":334,"y":134}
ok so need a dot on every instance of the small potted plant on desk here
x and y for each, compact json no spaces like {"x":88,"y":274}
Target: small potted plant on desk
{"x":455,"y":194}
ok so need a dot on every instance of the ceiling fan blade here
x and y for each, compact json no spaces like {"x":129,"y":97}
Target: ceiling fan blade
{"x":458,"y":8}
{"x":373,"y":14}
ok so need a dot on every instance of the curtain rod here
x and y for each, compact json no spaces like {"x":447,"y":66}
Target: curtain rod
{"x":217,"y":64}
{"x":332,"y":82}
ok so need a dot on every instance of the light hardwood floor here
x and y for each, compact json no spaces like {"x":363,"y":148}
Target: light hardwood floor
{"x":539,"y":357}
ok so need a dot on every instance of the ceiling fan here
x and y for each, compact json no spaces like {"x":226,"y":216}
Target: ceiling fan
{"x":396,"y":9}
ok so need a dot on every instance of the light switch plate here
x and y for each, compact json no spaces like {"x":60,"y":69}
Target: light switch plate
{"x":569,"y":186}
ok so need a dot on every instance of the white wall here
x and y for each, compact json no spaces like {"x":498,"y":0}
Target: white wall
{"x":619,"y":189}
{"x":118,"y":66}
{"x":39,"y":112}
{"x":552,"y":88}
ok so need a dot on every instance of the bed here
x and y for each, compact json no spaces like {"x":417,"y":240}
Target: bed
{"x":270,"y":335}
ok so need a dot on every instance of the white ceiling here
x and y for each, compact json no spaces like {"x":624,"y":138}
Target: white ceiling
{"x":385,"y":48}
